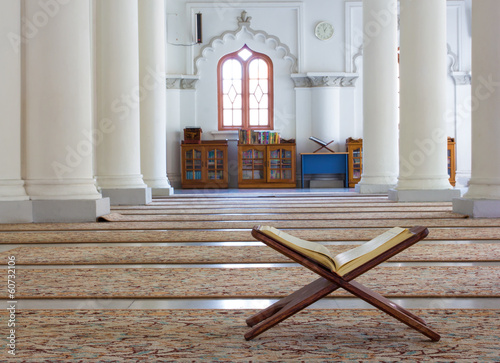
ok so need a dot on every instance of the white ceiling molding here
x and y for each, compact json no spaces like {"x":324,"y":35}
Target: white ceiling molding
{"x":461,"y":78}
{"x":181,"y":81}
{"x":328,"y":79}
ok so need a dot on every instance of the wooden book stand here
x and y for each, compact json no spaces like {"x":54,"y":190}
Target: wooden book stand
{"x":323,"y":144}
{"x":329,"y":282}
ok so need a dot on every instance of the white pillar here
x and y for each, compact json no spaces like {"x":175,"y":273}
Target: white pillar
{"x":58,"y":118}
{"x":423,"y":172}
{"x":483,"y":196}
{"x":11,"y":185}
{"x":152,"y":74}
{"x":325,"y":123}
{"x":462,"y":115}
{"x":303,"y":112}
{"x":173,"y":127}
{"x":380,"y":97}
{"x":118,"y":162}
{"x":325,"y":115}
{"x":13,"y":198}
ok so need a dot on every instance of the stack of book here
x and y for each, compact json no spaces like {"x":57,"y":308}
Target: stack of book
{"x":247,"y":137}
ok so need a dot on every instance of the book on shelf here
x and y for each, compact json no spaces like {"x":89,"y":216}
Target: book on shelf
{"x":344,"y":262}
{"x":248,"y":137}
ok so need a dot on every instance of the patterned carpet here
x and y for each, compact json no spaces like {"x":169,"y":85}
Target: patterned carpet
{"x":52,"y":266}
{"x":458,"y":234}
{"x":232,"y":222}
{"x":415,"y":281}
{"x":35,"y":255}
{"x":297,"y":214}
{"x":217,"y":335}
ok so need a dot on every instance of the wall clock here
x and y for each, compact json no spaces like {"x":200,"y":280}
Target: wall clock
{"x":323,"y":30}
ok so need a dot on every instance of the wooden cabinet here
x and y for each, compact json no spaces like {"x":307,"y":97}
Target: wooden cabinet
{"x":354,"y":160}
{"x":452,"y":166}
{"x":204,"y":165}
{"x":266,"y":166}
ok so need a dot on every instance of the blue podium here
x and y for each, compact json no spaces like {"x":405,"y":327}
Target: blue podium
{"x":334,"y":163}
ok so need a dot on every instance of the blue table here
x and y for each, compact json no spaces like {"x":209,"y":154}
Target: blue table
{"x":335,"y":163}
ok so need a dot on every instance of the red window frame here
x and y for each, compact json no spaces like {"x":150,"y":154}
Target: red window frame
{"x":245,"y":64}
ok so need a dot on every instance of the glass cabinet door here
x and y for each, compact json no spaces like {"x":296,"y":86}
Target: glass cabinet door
{"x":451,"y":161}
{"x":252,"y":164}
{"x":357,"y":157}
{"x":193,"y":164}
{"x":215,"y":164}
{"x":280,"y":164}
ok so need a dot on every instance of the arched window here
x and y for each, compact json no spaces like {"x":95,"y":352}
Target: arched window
{"x":245,"y":91}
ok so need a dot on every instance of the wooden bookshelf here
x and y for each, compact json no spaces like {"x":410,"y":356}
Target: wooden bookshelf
{"x":204,"y":165}
{"x":452,"y":163}
{"x":355,"y":160}
{"x":266,"y":166}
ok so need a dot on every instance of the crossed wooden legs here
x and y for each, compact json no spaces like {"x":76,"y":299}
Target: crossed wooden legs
{"x":318,"y":289}
{"x":288,"y":306}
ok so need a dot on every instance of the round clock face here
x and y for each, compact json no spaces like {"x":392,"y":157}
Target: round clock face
{"x":323,"y":30}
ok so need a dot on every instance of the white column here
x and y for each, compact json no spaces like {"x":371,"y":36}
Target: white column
{"x":380,"y":97}
{"x":118,"y":162}
{"x":325,"y":115}
{"x":303,"y":104}
{"x":11,"y":185}
{"x":152,"y":74}
{"x":58,"y":119}
{"x":325,"y":123}
{"x":462,"y":116}
{"x":173,"y":127}
{"x":14,"y":203}
{"x":483,"y":196}
{"x":423,"y":172}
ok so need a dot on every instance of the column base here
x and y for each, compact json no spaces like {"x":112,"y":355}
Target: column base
{"x":128,"y":196}
{"x":462,"y":179}
{"x":16,"y":211}
{"x":477,"y":208}
{"x":424,"y":195}
{"x":162,"y":192}
{"x":12,"y":190}
{"x":373,"y":188}
{"x":71,"y":189}
{"x":69,"y":211}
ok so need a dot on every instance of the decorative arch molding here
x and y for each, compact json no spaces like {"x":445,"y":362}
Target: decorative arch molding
{"x":456,"y":9}
{"x":259,"y":35}
{"x":355,"y":58}
{"x":452,"y":69}
{"x":454,"y":59}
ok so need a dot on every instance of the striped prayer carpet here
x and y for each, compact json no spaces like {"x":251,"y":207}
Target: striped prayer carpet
{"x":260,"y":282}
{"x":217,"y":336}
{"x":35,"y":255}
{"x":201,"y":335}
{"x":238,"y":235}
